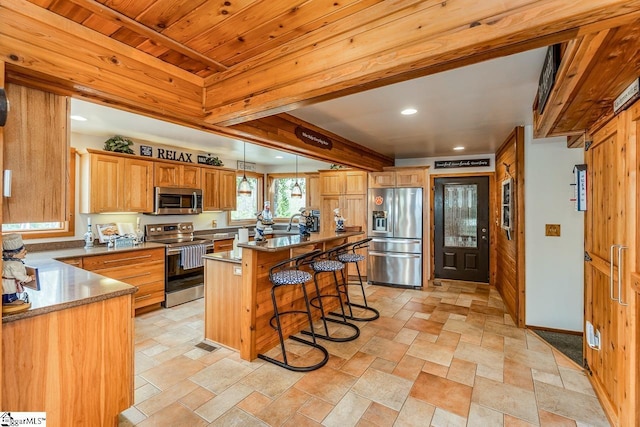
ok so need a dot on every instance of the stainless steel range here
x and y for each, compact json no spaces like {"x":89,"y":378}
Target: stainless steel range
{"x":184,"y":268}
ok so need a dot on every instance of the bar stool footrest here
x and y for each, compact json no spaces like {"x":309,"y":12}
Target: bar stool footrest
{"x":374,"y":316}
{"x":336,"y":339}
{"x":300,"y":368}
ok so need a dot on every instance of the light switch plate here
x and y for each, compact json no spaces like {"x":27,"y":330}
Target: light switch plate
{"x":552,"y":230}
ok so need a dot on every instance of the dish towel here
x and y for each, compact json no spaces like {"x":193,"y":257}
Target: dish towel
{"x":191,"y":256}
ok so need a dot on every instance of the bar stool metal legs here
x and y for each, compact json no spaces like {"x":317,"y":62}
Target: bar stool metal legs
{"x":347,"y":254}
{"x":321,"y":264}
{"x":280,"y":275}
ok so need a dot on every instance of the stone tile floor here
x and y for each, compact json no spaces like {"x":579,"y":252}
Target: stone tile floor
{"x":442,"y":356}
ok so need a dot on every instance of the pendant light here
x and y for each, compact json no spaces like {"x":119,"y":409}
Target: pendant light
{"x":244,"y":189}
{"x":296,"y":191}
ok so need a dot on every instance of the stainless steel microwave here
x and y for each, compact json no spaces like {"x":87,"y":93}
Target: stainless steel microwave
{"x":177,"y":201}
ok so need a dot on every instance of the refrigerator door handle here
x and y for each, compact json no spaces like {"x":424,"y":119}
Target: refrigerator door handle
{"x":394,"y":254}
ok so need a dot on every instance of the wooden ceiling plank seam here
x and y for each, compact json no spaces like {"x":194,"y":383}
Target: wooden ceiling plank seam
{"x":130,"y":8}
{"x":149,"y":33}
{"x":578,"y":58}
{"x":375,"y":16}
{"x":32,"y":13}
{"x":128,"y":37}
{"x":254,"y":15}
{"x":111,"y":84}
{"x":206,"y":17}
{"x":69,"y":11}
{"x":101,"y":25}
{"x":291,"y":23}
{"x":163,"y":13}
{"x":439,"y":21}
{"x":448,"y":47}
{"x":273,"y":44}
{"x":97,"y":64}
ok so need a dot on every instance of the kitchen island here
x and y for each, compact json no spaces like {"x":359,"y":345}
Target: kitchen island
{"x":71,"y":354}
{"x":255,"y":308}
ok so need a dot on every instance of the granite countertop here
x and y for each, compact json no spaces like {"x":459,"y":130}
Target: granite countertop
{"x":225,"y":256}
{"x":273,"y":244}
{"x":64,"y":286}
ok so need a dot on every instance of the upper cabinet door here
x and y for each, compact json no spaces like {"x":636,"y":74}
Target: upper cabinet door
{"x":313,"y":190}
{"x":138,"y":180}
{"x":355,"y":182}
{"x":228,"y":199}
{"x":36,"y":150}
{"x":190,"y":176}
{"x":331,"y":183}
{"x":166,"y":175}
{"x":411,"y":177}
{"x":106,"y":184}
{"x":382,"y":179}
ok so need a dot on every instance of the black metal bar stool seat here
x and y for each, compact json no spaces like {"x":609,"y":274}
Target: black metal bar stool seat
{"x":347,"y":254}
{"x":282,"y":274}
{"x":321,"y":263}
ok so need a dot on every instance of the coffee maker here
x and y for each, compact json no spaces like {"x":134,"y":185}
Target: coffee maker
{"x":315,"y":221}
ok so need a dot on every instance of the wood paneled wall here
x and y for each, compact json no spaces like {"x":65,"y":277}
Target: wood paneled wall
{"x":508,"y":275}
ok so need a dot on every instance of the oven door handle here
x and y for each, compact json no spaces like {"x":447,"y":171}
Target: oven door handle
{"x":173,"y":251}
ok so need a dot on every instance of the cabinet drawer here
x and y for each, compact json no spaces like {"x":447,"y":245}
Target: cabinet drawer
{"x":99,"y":262}
{"x":76,"y":262}
{"x":223,"y":245}
{"x":151,"y":293}
{"x":135,"y":274}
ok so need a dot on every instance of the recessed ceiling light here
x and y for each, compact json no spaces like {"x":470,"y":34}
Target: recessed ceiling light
{"x":279,"y":157}
{"x":459,"y":148}
{"x":78,"y":118}
{"x":408,"y":111}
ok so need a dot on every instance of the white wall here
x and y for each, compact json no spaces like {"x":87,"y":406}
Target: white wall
{"x":554,"y":265}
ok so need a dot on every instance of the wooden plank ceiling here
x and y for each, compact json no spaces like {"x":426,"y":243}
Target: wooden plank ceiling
{"x":212,"y":64}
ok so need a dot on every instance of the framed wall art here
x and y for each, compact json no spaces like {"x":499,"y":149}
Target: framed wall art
{"x":505,"y":212}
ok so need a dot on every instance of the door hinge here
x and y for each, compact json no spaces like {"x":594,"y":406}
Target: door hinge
{"x":587,"y":258}
{"x":585,"y":365}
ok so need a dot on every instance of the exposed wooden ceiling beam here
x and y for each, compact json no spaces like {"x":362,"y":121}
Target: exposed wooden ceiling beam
{"x":135,"y":26}
{"x":422,"y":39}
{"x":280,"y":131}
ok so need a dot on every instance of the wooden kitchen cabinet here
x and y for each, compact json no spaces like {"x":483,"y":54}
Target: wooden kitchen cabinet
{"x":343,"y":182}
{"x":313,"y":190}
{"x":398,"y":177}
{"x":223,"y":302}
{"x":222,"y":245}
{"x":75,"y":261}
{"x":142,"y":268}
{"x":36,"y":150}
{"x":346,"y":190}
{"x":176,"y":175}
{"x":115,"y":183}
{"x":218,"y":189}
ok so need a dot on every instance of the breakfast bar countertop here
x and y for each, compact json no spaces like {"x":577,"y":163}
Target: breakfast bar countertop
{"x":274,"y":244}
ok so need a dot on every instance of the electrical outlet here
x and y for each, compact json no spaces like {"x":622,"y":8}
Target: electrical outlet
{"x":552,"y":230}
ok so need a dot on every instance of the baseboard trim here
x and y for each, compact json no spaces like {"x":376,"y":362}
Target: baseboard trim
{"x":561,"y":331}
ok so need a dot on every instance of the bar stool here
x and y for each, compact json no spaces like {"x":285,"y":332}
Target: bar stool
{"x":288,"y":273}
{"x":347,"y":254}
{"x":322,"y":263}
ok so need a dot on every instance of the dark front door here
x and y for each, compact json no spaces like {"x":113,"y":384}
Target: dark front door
{"x":462,"y":228}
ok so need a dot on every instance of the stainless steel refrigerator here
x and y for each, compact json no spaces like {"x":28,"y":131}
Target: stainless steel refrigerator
{"x":395,"y":226}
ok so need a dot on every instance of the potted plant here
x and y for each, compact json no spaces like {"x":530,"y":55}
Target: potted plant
{"x":119,"y":144}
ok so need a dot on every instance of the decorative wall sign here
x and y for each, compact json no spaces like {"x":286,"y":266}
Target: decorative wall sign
{"x":167,"y":152}
{"x":463,"y":163}
{"x":627,"y":97}
{"x":313,"y":138}
{"x":246,"y":166}
{"x":580,"y":172}
{"x":548,"y":75}
{"x":505,"y":213}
